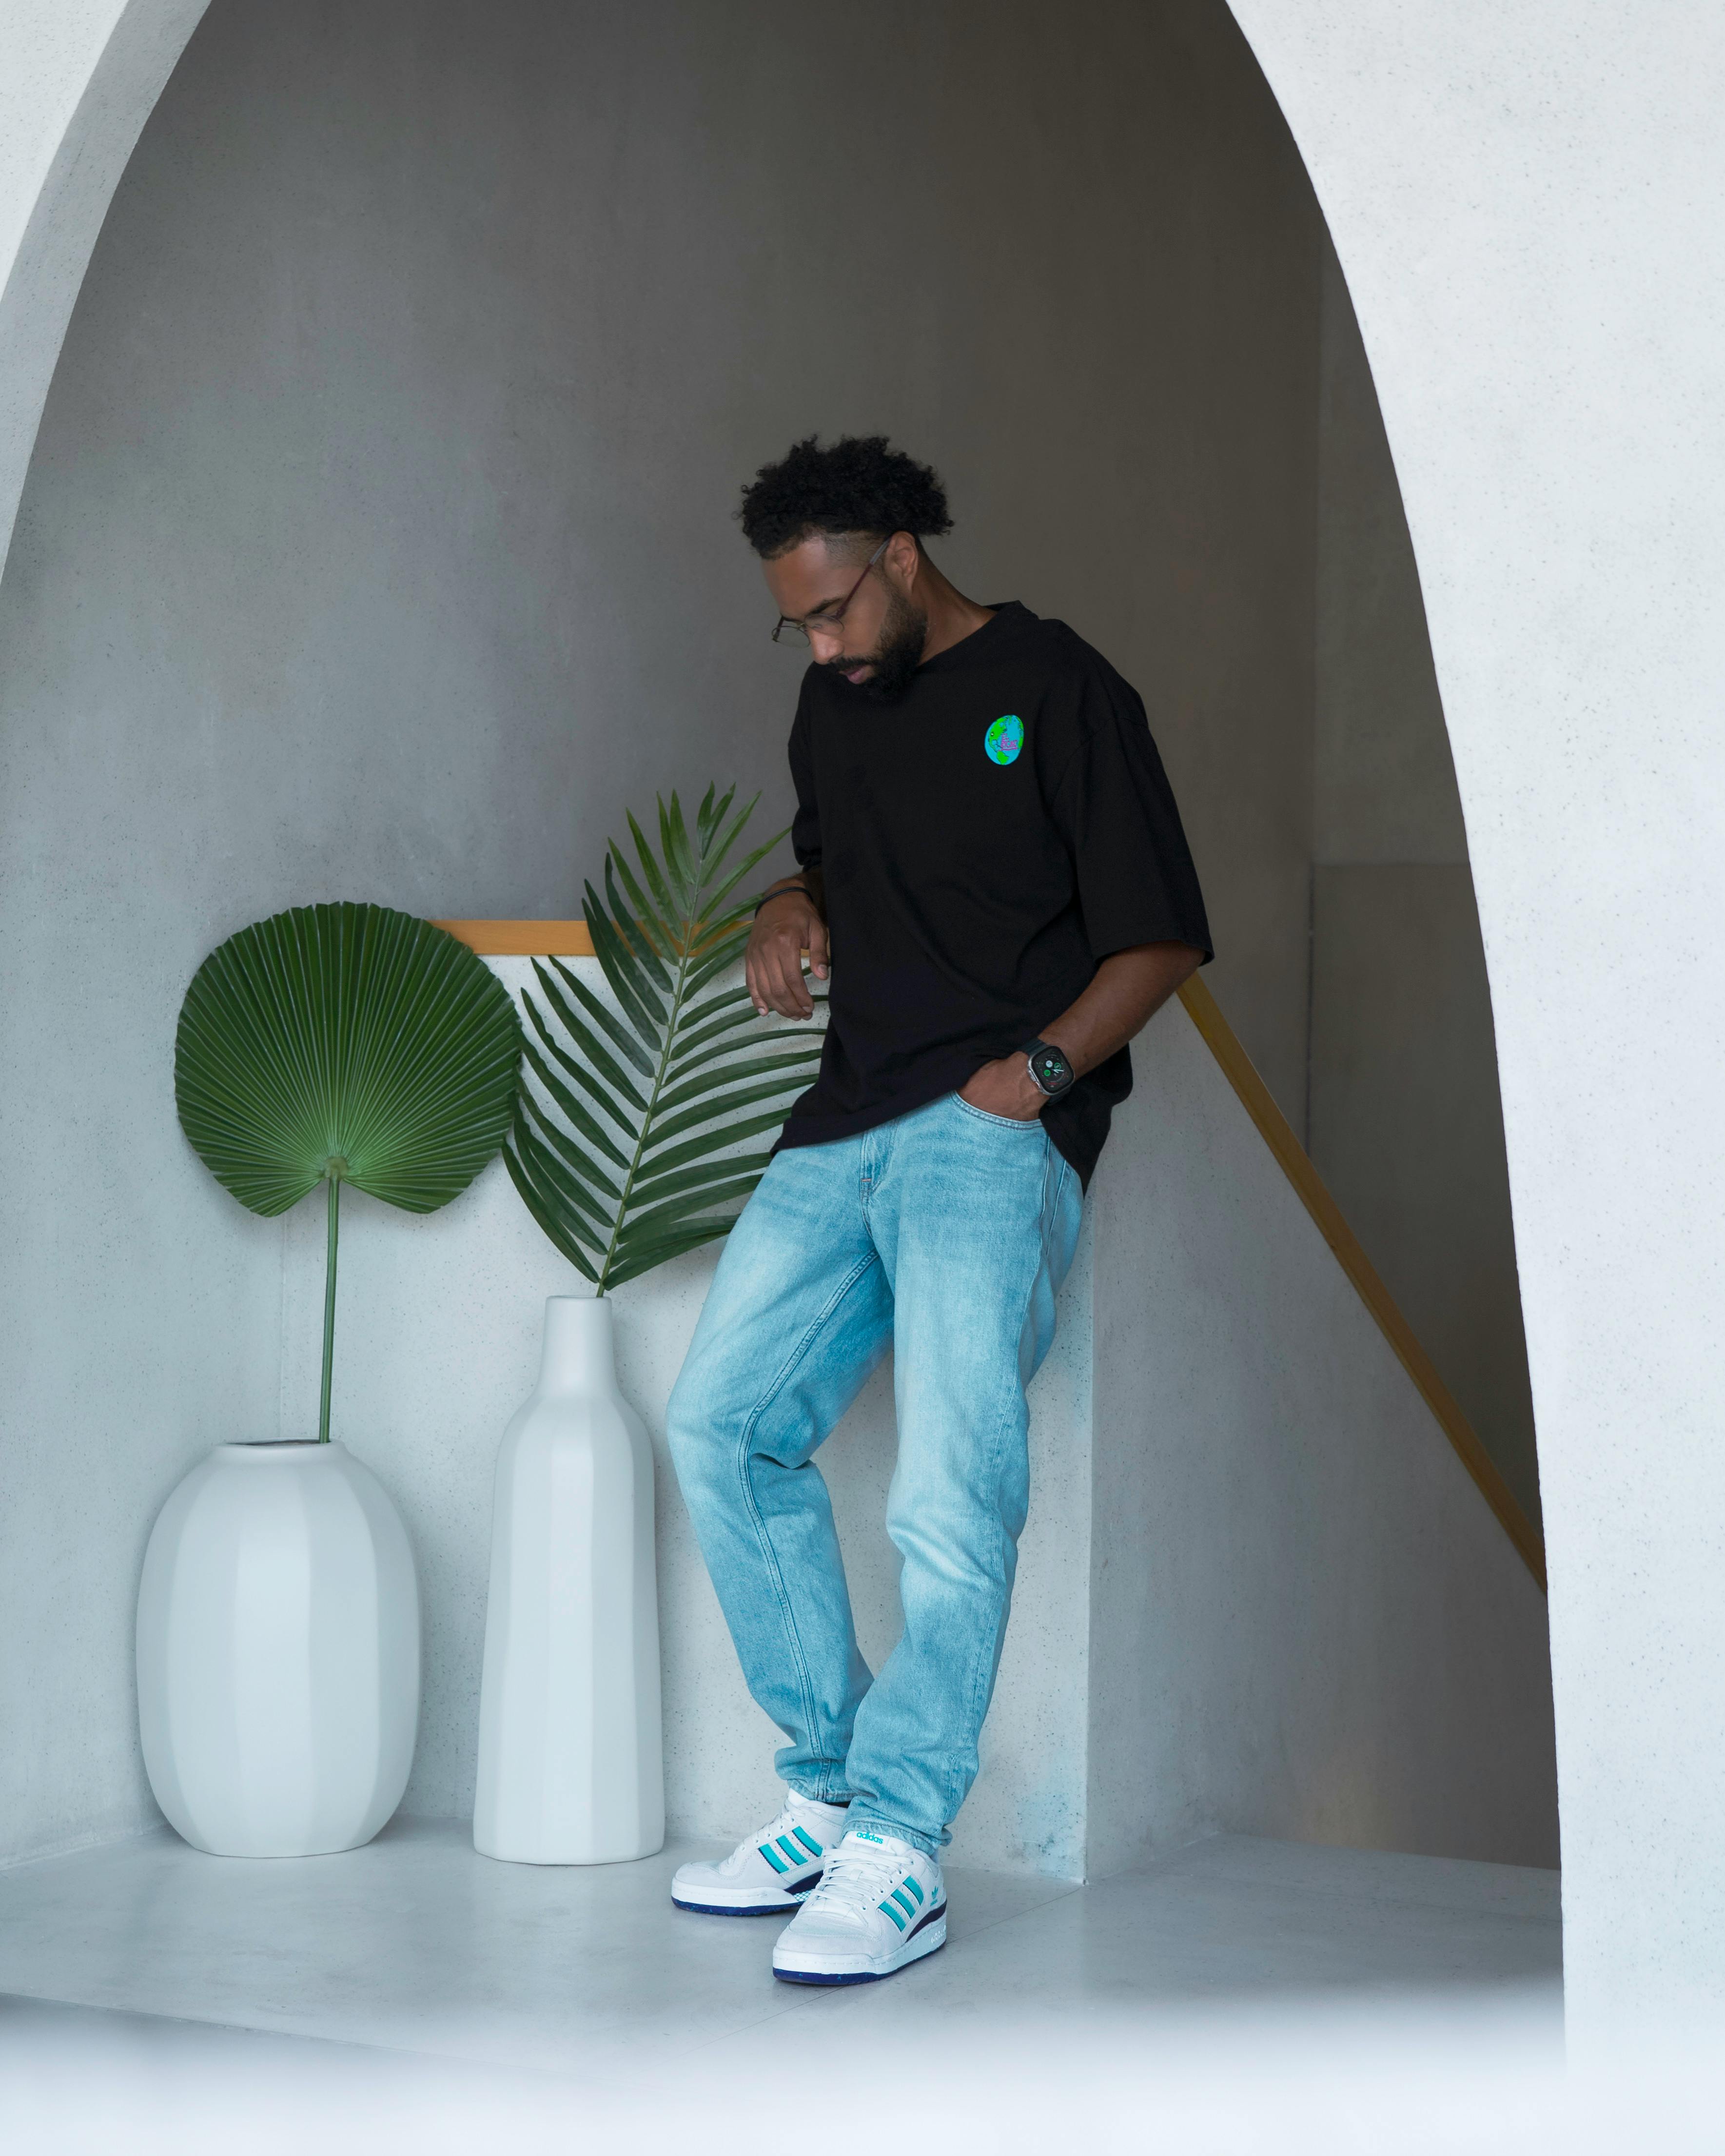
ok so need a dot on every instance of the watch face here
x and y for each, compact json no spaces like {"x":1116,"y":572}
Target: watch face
{"x":1051,"y":1069}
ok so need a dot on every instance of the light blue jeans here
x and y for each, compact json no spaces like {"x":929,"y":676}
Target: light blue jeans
{"x":943,"y":1235}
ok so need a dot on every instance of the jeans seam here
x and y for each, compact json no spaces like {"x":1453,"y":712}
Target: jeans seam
{"x":811,"y":1334}
{"x":988,"y":1657}
{"x":1053,"y":1182}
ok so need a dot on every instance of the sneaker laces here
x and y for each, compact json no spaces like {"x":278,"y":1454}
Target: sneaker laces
{"x":857,"y":1880}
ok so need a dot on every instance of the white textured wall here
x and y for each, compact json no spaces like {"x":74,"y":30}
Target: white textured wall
{"x":105,"y":1387}
{"x":1525,"y":196}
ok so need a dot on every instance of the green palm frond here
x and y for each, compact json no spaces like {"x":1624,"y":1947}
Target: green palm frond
{"x":345,"y":1044}
{"x":626,"y":1137}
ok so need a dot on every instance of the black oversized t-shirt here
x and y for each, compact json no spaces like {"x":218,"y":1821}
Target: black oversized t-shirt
{"x":985,"y":841}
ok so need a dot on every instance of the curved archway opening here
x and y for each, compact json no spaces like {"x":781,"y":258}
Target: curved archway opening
{"x":376,"y":541}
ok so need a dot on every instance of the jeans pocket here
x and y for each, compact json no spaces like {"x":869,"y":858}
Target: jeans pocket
{"x":1000,"y":1122}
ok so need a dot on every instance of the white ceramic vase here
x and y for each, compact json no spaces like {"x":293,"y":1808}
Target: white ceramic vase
{"x":278,"y":1652}
{"x":571,"y":1757}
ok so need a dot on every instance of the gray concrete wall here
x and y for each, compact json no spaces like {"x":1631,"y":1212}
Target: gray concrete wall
{"x":1384,"y":781}
{"x":1407,"y":1128}
{"x":377,"y":543}
{"x":1305,"y":1621}
{"x":1402,"y":1116}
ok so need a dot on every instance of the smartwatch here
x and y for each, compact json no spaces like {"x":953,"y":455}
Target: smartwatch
{"x":1049,"y":1069}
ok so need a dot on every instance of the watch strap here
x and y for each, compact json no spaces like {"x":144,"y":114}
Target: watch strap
{"x":1031,"y":1050}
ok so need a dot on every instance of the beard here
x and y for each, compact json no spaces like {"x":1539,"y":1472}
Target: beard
{"x":895,"y":659}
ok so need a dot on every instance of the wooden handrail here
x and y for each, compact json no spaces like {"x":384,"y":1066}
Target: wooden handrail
{"x":523,"y":939}
{"x":571,"y":939}
{"x":1291,"y":1156}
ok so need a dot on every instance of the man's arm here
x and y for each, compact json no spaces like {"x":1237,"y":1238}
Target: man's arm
{"x":791,"y":920}
{"x":1128,"y":989}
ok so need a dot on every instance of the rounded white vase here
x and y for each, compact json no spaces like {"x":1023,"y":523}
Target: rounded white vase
{"x":571,"y":1751}
{"x":278,"y":1653}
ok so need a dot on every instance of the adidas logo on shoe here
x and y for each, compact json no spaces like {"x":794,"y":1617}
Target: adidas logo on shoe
{"x":881,"y":1905}
{"x":767,"y":1874}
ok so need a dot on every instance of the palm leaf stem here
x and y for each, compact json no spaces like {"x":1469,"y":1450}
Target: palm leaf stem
{"x":329,"y":1307}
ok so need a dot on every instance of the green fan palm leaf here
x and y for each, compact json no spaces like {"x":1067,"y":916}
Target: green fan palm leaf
{"x":345,"y":1044}
{"x":662,"y":1085}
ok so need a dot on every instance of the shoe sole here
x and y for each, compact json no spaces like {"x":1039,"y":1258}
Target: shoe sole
{"x":790,"y":1900}
{"x":916,"y":1948}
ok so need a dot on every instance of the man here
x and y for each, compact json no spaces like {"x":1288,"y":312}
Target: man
{"x":992,"y":867}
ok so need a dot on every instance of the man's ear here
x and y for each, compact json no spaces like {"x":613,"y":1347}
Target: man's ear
{"x":902,"y":559}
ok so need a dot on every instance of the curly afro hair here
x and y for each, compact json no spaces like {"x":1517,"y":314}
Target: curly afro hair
{"x":860,"y":483}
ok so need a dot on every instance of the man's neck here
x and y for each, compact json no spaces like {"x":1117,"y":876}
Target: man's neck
{"x":951,"y":617}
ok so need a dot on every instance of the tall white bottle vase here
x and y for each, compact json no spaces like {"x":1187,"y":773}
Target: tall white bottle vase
{"x":278,"y":1653}
{"x":571,"y":1751}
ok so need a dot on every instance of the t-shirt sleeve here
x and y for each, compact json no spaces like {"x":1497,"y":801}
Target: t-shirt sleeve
{"x":1116,"y":810}
{"x":805,"y":825}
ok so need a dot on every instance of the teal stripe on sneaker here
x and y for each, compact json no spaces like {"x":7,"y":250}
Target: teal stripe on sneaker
{"x":888,"y":1910}
{"x":772,"y":1857}
{"x":904,"y":1900}
{"x":916,"y":1890}
{"x":808,"y":1841}
{"x":790,"y":1849}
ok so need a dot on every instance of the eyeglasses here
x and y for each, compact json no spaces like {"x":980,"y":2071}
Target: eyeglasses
{"x":830,"y":617}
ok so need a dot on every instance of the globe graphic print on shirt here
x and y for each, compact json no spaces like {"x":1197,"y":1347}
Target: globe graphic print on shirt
{"x":1004,"y":739}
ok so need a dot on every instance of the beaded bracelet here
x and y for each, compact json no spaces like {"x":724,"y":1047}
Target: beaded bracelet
{"x":784,"y":892}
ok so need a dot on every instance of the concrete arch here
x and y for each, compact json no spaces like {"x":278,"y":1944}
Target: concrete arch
{"x":1523,"y":199}
{"x":1526,"y":201}
{"x":78,"y":83}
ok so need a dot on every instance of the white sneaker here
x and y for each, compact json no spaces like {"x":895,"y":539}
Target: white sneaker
{"x":768,"y":1874}
{"x":880,"y":1906}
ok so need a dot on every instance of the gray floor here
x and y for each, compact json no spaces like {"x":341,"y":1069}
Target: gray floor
{"x":416,"y":1944}
{"x":1238,"y":1997}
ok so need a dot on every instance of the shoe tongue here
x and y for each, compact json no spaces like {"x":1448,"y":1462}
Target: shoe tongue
{"x":865,"y":1837}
